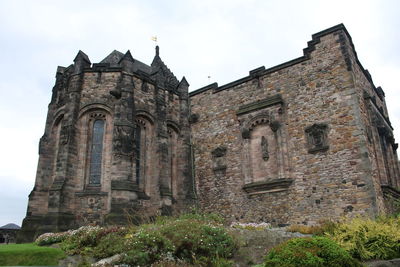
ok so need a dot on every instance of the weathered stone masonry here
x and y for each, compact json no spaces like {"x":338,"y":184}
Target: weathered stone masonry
{"x":116,"y":146}
{"x":306,"y":140}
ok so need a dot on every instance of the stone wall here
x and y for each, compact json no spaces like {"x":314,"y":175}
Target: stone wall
{"x":306,"y":115}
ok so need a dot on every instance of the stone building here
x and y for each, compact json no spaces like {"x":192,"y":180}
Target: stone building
{"x":306,"y":140}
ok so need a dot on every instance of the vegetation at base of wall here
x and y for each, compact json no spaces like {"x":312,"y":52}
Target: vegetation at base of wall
{"x":321,"y":229}
{"x":29,"y":255}
{"x":367,"y":239}
{"x":192,"y":239}
{"x":309,"y":252}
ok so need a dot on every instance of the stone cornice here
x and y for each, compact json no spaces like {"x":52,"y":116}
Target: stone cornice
{"x":269,"y":101}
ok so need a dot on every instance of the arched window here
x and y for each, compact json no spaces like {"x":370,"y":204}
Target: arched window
{"x":96,"y":149}
{"x":141,"y":142}
{"x":144,"y":169}
{"x":138,"y":152}
{"x":172,"y":158}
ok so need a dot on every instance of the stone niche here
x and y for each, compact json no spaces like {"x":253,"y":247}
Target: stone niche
{"x":264,"y":159}
{"x":317,"y":137}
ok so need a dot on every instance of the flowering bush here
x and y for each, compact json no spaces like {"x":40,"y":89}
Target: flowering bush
{"x":187,"y":239}
{"x":147,"y":246}
{"x":198,"y":242}
{"x":51,"y":238}
{"x":81,"y":240}
{"x":251,"y":226}
{"x":194,"y":239}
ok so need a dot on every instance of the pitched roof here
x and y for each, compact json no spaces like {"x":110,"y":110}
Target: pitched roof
{"x":10,"y":226}
{"x":115,"y":58}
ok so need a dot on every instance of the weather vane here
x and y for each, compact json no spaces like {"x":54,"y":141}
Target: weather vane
{"x":154,"y":39}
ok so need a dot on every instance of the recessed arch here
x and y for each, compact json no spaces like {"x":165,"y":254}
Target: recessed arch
{"x":94,"y":107}
{"x":145,"y":114}
{"x":173,"y":125}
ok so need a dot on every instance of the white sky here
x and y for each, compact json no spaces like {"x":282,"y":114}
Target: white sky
{"x":198,"y":38}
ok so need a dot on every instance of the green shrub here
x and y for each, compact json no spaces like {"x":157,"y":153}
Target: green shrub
{"x":111,"y":242}
{"x":189,"y":240}
{"x":82,"y":240}
{"x":309,"y":252}
{"x":195,"y":241}
{"x":146,"y":247}
{"x":325,"y":227}
{"x":370,"y":239}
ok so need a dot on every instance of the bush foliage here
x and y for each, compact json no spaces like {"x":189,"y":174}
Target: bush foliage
{"x":309,"y":252}
{"x":190,"y":239}
{"x":367,"y":239}
{"x":321,"y":229}
{"x":193,"y":239}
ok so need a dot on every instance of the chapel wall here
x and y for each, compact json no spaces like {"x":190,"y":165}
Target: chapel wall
{"x":314,"y":183}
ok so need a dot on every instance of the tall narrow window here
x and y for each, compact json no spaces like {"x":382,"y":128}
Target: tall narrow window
{"x":96,"y":152}
{"x":138,"y":137}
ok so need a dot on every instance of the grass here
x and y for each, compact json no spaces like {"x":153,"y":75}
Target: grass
{"x":29,"y":255}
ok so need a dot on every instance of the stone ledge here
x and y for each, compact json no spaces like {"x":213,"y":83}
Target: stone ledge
{"x":269,"y":101}
{"x":90,"y":193}
{"x":275,"y":185}
{"x":129,"y":186}
{"x":318,"y":149}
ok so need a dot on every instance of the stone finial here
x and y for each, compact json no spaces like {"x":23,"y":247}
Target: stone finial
{"x":157,"y":51}
{"x":183,"y":82}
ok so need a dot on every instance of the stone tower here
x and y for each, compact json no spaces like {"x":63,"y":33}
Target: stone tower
{"x":116,"y":144}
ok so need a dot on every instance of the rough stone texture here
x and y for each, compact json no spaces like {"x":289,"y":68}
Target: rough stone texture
{"x":304,"y":141}
{"x":317,"y":120}
{"x":145,"y":164}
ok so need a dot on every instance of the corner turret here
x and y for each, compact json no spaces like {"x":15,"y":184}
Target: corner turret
{"x":81,"y":61}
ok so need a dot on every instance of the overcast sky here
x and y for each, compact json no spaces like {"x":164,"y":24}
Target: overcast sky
{"x":201,"y":38}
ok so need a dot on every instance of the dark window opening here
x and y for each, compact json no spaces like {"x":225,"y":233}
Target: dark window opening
{"x":96,"y":152}
{"x":137,"y":152}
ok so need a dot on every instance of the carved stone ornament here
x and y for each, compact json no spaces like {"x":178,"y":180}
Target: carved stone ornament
{"x":124,"y":141}
{"x":264,"y":148}
{"x":145,"y":87}
{"x":274,"y":125}
{"x":116,"y":93}
{"x":219,"y":152}
{"x":246,"y":133}
{"x":193,"y":118}
{"x":317,"y":136}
